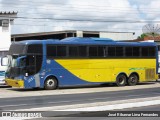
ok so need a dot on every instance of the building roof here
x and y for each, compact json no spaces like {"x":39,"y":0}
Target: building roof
{"x":65,"y":31}
{"x":8,"y":13}
{"x":57,"y":35}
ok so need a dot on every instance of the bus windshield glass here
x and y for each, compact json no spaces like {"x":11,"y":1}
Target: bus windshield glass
{"x":24,"y":59}
{"x":17,"y":49}
{"x":12,"y":60}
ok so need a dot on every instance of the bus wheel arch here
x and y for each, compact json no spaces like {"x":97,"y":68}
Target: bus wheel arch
{"x":51,"y":83}
{"x":121,"y":79}
{"x":133,"y":79}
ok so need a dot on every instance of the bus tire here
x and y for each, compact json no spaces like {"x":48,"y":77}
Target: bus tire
{"x":121,"y":80}
{"x":133,"y":80}
{"x":50,"y":83}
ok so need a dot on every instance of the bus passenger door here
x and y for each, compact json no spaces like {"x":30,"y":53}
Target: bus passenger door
{"x":34,"y":63}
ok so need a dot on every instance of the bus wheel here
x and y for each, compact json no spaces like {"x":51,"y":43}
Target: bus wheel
{"x":133,"y":80}
{"x":121,"y":80}
{"x":50,"y":83}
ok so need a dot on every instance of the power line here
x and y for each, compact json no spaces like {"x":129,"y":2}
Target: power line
{"x":65,"y":26}
{"x":85,"y":20}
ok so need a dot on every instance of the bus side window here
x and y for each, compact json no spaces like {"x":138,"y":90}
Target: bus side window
{"x":119,"y":52}
{"x":82,"y":51}
{"x":111,"y":51}
{"x":136,"y":51}
{"x":61,"y":51}
{"x":51,"y":51}
{"x":101,"y":51}
{"x":73,"y":51}
{"x":93,"y":51}
{"x":144,"y":52}
{"x":128,"y":51}
{"x":151,"y":52}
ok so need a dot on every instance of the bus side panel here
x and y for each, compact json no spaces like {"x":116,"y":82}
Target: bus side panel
{"x":145,"y":68}
{"x":86,"y":71}
{"x":61,"y":73}
{"x":106,"y":70}
{"x":90,"y":70}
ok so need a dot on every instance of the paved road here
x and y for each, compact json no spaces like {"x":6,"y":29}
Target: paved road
{"x":146,"y":108}
{"x":102,"y":115}
{"x":70,"y":99}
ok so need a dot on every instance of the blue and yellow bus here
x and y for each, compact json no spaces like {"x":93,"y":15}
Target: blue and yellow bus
{"x":77,"y":61}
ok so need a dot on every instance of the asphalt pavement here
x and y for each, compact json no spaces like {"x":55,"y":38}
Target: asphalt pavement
{"x":72,"y":99}
{"x":75,"y":99}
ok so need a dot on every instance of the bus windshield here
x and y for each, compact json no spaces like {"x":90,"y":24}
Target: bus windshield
{"x":16,"y":61}
{"x":13,"y":68}
{"x":12,"y":61}
{"x":24,"y":59}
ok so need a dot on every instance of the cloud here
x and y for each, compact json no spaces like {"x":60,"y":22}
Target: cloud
{"x":90,"y":10}
{"x":151,"y":10}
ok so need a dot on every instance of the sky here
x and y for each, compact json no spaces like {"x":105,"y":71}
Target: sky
{"x":92,"y":15}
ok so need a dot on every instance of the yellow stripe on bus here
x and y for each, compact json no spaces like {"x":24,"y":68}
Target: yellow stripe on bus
{"x":15,"y":83}
{"x":106,"y":70}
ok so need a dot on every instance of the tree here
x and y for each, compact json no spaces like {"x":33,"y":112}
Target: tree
{"x":142,"y":36}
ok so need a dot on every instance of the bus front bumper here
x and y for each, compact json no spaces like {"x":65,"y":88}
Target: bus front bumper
{"x":15,"y":83}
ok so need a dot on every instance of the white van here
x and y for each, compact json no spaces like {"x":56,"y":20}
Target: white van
{"x":3,"y":68}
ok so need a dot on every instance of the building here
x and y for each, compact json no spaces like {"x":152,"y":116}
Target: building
{"x":73,"y":33}
{"x":6,"y":20}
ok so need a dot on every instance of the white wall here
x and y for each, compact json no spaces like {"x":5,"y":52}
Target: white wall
{"x":117,"y":36}
{"x":79,"y":34}
{"x":5,"y":39}
{"x":112,"y":35}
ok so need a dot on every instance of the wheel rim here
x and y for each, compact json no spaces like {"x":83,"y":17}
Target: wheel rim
{"x":133,"y":80}
{"x":50,"y":83}
{"x":121,"y":80}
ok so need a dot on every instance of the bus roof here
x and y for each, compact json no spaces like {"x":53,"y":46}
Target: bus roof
{"x":86,"y":41}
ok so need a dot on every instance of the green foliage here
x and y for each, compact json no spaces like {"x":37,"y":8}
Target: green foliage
{"x":142,"y":36}
{"x":148,"y":34}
